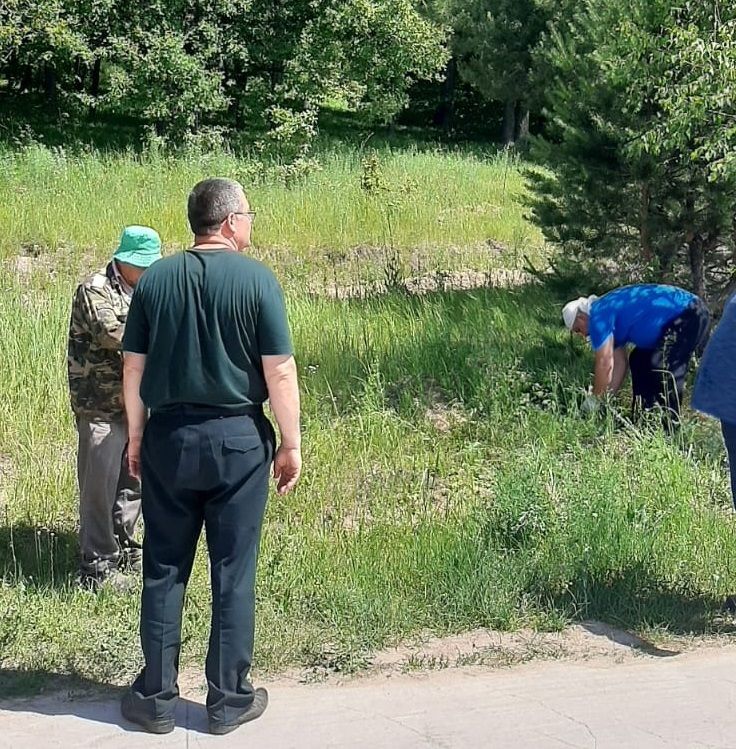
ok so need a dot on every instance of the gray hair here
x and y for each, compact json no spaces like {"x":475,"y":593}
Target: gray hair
{"x":210,"y":202}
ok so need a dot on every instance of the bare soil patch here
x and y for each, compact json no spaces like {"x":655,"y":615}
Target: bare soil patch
{"x":458,"y":280}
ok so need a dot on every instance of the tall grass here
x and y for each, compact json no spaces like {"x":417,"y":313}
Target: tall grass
{"x":450,"y":482}
{"x":442,"y":208}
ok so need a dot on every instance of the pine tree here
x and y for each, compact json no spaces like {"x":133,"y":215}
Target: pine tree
{"x":493,"y":41}
{"x":626,"y":180}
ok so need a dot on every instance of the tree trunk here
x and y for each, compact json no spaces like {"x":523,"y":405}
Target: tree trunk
{"x":49,"y":82}
{"x":237,"y":109}
{"x":444,"y":114}
{"x":80,"y":74}
{"x":509,"y":122}
{"x":645,"y":237}
{"x":94,"y":88}
{"x":522,"y":122}
{"x":26,"y":83}
{"x":696,"y":251}
{"x":13,"y":72}
{"x":276,"y":75}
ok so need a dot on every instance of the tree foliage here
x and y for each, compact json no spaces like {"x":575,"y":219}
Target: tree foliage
{"x":641,"y":169}
{"x":182,"y":64}
{"x":493,"y":41}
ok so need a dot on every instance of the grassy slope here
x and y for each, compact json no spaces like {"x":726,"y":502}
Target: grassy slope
{"x":439,"y":207}
{"x":450,"y":481}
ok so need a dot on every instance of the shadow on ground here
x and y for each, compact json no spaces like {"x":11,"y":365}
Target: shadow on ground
{"x":43,"y":557}
{"x":475,"y":346}
{"x":636,"y":598}
{"x":627,"y":639}
{"x":44,"y":693}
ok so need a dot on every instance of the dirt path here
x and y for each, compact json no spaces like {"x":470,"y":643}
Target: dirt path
{"x":491,"y":649}
{"x":590,"y":686}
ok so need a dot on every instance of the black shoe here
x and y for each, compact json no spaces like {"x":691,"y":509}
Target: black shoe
{"x":111,"y":579}
{"x":131,"y":560}
{"x":255,"y":710}
{"x":153,"y":725}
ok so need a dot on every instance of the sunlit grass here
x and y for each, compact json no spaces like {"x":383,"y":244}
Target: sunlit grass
{"x":450,"y":483}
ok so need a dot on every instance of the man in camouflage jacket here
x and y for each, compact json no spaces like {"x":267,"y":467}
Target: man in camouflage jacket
{"x":109,"y":497}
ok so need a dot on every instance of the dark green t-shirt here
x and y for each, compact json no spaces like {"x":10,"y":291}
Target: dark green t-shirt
{"x":204,"y":318}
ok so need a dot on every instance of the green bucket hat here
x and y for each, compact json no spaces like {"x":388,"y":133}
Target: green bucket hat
{"x":139,"y":246}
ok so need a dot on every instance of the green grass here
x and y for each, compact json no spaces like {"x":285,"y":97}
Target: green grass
{"x":440,"y":210}
{"x":450,"y":480}
{"x":450,"y":483}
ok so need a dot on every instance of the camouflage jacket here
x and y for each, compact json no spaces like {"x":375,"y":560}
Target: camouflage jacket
{"x":99,"y":312}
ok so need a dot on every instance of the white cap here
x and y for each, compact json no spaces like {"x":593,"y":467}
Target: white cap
{"x":571,"y":309}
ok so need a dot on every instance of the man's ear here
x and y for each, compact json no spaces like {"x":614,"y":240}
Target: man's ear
{"x":227,"y":225}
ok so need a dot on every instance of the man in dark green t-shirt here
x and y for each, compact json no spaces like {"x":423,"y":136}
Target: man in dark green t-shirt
{"x":206,"y":343}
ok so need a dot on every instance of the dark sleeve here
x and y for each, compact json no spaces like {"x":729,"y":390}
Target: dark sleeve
{"x":137,"y":331}
{"x":274,"y":338}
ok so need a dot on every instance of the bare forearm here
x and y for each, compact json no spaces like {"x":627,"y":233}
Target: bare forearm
{"x":603,"y":376}
{"x":135,"y":410}
{"x":283,"y":394}
{"x":620,"y":369}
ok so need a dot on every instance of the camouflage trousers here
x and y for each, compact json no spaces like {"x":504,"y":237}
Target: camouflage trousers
{"x":109,"y":497}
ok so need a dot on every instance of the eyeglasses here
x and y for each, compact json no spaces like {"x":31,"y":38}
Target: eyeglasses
{"x":250,"y":214}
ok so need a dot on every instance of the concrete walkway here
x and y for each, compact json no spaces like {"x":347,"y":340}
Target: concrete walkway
{"x":683,"y":701}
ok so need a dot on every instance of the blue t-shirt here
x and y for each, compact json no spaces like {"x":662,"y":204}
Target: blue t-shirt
{"x":636,"y":314}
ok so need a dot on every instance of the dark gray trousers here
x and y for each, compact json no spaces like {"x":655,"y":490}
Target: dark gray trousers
{"x":109,"y":497}
{"x":199,"y":467}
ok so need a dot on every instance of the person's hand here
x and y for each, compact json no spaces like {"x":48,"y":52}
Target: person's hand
{"x":591,"y":404}
{"x":287,"y":466}
{"x":134,"y":457}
